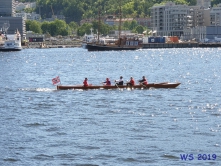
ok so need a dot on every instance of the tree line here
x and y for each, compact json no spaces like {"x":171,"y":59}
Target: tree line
{"x":76,"y":10}
{"x":60,"y":27}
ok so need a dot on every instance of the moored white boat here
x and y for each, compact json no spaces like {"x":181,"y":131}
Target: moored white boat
{"x":10,"y":42}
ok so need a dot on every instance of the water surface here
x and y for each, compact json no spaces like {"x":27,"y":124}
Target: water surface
{"x":42,"y":126}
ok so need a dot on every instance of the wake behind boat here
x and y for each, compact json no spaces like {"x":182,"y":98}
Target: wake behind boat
{"x":151,"y":85}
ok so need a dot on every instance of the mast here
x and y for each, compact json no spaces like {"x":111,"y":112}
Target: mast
{"x":99,"y":24}
{"x":119,"y":28}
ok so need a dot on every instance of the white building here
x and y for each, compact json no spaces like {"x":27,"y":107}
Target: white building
{"x":29,"y":16}
{"x":215,"y":15}
{"x":198,"y":16}
{"x":204,"y":3}
{"x":21,"y":6}
{"x":172,"y":20}
{"x":210,"y":30}
{"x":169,"y":19}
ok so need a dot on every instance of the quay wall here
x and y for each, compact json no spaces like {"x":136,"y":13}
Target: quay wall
{"x":170,"y":45}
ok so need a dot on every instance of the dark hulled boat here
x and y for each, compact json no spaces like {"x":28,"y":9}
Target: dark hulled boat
{"x":122,"y":43}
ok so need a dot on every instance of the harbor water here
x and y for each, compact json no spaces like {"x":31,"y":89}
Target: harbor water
{"x":41,"y":126}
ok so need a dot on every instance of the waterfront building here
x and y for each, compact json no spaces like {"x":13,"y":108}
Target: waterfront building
{"x":169,"y":19}
{"x":210,"y":31}
{"x":8,"y":21}
{"x":204,"y":3}
{"x":21,"y":6}
{"x":29,"y":16}
{"x":13,"y":24}
{"x":146,"y":22}
{"x":203,"y":34}
{"x":215,"y":15}
{"x":7,"y":8}
{"x":198,"y":16}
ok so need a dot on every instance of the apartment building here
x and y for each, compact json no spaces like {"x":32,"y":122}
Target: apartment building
{"x":21,"y":6}
{"x":29,"y":16}
{"x":169,"y":19}
{"x":204,"y":3}
{"x":7,"y":8}
{"x":215,"y":16}
{"x":146,"y":22}
{"x":207,"y":29}
{"x":8,"y":21}
{"x":11,"y":24}
{"x":198,"y":16}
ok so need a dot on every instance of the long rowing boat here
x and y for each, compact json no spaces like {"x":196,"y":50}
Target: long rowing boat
{"x":151,"y":85}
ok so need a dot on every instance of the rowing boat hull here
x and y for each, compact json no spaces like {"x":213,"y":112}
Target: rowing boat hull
{"x":152,"y":85}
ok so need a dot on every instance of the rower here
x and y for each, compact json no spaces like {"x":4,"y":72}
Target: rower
{"x":120,"y":81}
{"x":143,"y":81}
{"x":131,"y":82}
{"x":107,"y":82}
{"x":85,"y":83}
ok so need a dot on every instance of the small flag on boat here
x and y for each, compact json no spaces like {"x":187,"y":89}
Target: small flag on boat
{"x":56,"y":80}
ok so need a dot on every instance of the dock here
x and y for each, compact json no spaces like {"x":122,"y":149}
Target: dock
{"x":170,"y":45}
{"x":209,"y":45}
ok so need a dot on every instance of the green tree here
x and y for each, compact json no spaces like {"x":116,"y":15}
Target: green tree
{"x":139,"y":29}
{"x":130,"y":25}
{"x":45,"y":26}
{"x":76,"y":10}
{"x":33,"y":26}
{"x":58,"y":27}
{"x":29,"y":10}
{"x":73,"y":25}
{"x":84,"y":29}
{"x":64,"y":31}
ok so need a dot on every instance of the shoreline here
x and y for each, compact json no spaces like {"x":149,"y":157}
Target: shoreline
{"x":52,"y":44}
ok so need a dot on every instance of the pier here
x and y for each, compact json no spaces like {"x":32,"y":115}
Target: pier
{"x":170,"y":45}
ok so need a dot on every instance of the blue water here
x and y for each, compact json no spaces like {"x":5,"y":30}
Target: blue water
{"x":42,"y":126}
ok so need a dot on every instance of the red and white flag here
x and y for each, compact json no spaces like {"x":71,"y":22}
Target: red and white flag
{"x":56,"y":80}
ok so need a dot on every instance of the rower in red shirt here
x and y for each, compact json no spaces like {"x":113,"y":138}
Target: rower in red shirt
{"x":131,"y":82}
{"x":85,"y":82}
{"x":107,"y":82}
{"x":143,"y":81}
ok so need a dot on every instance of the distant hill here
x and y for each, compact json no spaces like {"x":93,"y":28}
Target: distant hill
{"x":76,"y":10}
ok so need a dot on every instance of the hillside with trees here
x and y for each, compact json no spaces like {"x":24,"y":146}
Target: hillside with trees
{"x":76,"y":10}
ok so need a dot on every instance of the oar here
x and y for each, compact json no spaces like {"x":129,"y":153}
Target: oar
{"x":117,"y":86}
{"x":143,"y":85}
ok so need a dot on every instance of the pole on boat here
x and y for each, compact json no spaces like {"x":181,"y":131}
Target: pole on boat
{"x":119,"y":28}
{"x":99,"y":24}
